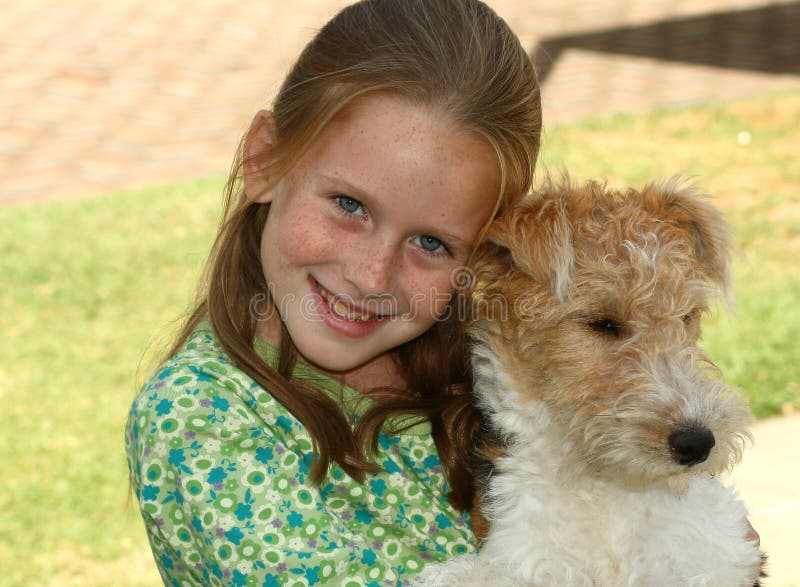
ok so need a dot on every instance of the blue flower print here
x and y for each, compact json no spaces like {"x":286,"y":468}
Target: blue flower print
{"x":243,"y":512}
{"x":284,"y":422}
{"x":264,"y":454}
{"x":443,"y":522}
{"x":378,"y":487}
{"x":312,"y":575}
{"x":164,"y":407}
{"x":295,"y":519}
{"x":235,"y":535}
{"x":217,"y":475}
{"x":368,"y":557}
{"x":431,"y":461}
{"x":391,"y":466}
{"x":220,"y":403}
{"x":363,"y":516}
{"x":200,"y":373}
{"x":150,"y":492}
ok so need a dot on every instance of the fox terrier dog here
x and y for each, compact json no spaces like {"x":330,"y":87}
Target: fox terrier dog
{"x":611,"y":423}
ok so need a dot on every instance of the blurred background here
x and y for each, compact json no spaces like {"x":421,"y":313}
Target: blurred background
{"x":118,"y":123}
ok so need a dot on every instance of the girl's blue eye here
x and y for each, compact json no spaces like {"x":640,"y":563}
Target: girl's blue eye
{"x":431,"y":244}
{"x":349,"y":205}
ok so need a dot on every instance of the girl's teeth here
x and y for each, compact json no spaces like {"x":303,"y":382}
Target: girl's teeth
{"x":341,"y":310}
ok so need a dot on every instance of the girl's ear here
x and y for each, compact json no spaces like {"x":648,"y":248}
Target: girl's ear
{"x":257,"y":156}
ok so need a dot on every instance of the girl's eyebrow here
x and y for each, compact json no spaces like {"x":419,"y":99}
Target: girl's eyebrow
{"x":347,"y":187}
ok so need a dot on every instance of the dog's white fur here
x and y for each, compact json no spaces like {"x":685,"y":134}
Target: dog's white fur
{"x":552,"y":529}
{"x":584,"y":498}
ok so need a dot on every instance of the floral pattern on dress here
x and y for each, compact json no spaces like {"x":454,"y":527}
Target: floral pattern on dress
{"x":221,"y":471}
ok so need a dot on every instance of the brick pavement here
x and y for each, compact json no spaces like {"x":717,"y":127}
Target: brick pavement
{"x":99,"y":95}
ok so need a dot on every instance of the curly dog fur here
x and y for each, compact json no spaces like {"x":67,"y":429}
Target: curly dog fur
{"x":614,"y":423}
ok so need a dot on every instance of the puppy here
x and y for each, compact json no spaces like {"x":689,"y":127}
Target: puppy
{"x":613,"y":423}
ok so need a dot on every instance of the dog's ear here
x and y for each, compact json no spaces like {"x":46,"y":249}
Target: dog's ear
{"x":535,"y":237}
{"x":706,"y":226}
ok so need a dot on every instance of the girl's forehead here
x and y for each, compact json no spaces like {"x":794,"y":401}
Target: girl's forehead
{"x":385,"y":143}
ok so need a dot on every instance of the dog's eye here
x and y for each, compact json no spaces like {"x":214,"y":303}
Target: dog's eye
{"x":691,"y":317}
{"x":606,"y":326}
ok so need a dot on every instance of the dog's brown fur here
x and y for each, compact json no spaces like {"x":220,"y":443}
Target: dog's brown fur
{"x":593,"y":279}
{"x":601,"y":292}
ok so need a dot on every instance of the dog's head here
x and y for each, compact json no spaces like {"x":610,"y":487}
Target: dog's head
{"x":603,"y":291}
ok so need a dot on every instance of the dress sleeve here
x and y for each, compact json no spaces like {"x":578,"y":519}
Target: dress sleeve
{"x":224,"y":488}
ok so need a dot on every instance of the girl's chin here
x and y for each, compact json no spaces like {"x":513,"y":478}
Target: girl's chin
{"x":333,"y":362}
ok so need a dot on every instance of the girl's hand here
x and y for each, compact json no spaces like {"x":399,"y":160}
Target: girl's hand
{"x":752,"y":534}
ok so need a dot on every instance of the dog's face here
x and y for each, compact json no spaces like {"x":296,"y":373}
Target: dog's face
{"x":603,"y":292}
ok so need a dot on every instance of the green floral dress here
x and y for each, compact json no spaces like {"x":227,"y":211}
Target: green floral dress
{"x":221,"y":473}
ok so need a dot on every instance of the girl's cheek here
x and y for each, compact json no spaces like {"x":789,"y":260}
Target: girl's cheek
{"x":308,"y":235}
{"x":431,"y":289}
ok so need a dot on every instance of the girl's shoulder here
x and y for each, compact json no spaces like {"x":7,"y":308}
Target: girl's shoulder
{"x":200,"y":380}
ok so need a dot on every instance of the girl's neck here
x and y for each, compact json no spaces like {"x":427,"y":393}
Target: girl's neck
{"x":380,"y":371}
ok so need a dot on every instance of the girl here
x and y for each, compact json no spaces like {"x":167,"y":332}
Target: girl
{"x":311,"y":422}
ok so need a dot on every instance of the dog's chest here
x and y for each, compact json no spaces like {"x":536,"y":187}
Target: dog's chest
{"x":596,"y":533}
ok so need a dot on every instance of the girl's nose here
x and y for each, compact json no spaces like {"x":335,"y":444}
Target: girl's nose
{"x":372,"y":269}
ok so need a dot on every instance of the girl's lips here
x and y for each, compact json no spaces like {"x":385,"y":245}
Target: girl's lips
{"x":342,"y":325}
{"x":345,"y":308}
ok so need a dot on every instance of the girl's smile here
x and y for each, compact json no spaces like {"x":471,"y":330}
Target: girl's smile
{"x":364,"y":232}
{"x":348,"y":319}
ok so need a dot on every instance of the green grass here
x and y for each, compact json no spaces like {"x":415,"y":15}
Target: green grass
{"x":90,"y":285}
{"x":87,"y":284}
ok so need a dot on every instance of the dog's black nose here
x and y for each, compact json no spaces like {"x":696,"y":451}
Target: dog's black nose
{"x":691,"y":445}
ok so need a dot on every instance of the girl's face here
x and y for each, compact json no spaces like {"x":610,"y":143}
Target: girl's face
{"x":365,"y":232}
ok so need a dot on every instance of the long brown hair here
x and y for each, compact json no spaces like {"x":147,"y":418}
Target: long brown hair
{"x":455,"y":55}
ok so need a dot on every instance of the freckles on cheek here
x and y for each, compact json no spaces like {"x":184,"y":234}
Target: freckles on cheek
{"x":304,"y":241}
{"x":430,"y":295}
